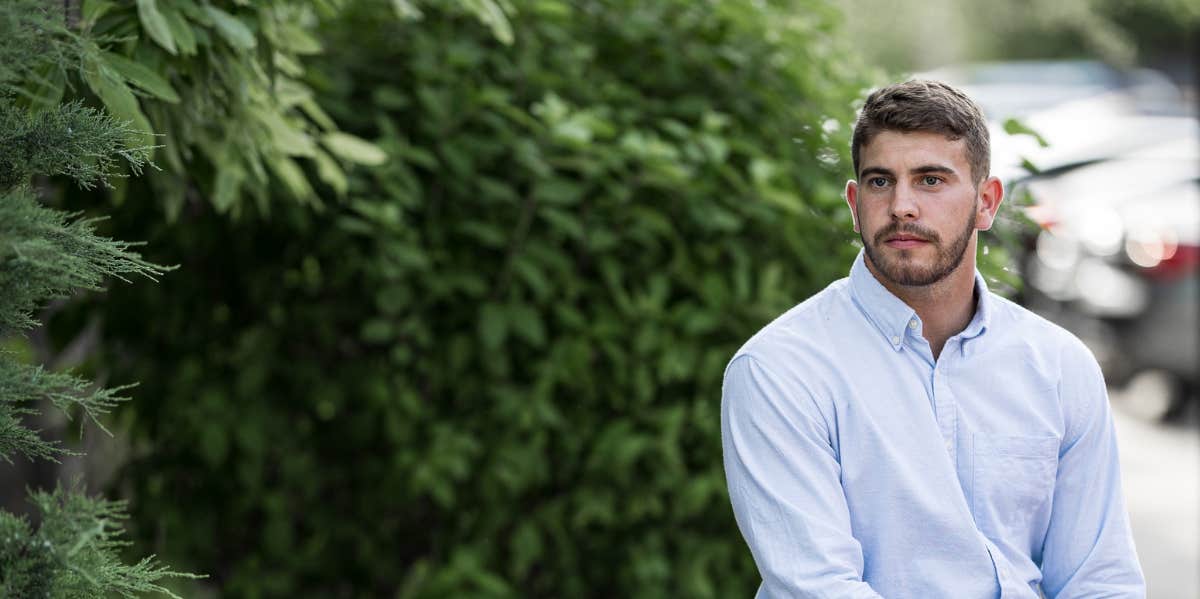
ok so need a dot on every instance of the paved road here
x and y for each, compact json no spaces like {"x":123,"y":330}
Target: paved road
{"x":1160,"y":467}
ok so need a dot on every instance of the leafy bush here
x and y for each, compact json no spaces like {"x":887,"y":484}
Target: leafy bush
{"x":493,"y":370}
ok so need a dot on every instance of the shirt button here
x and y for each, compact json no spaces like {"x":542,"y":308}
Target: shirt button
{"x":895,"y":341}
{"x":912,"y":324}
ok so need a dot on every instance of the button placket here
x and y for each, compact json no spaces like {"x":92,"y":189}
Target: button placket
{"x":945,"y":412}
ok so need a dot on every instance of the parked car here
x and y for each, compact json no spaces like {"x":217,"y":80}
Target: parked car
{"x":1116,"y":261}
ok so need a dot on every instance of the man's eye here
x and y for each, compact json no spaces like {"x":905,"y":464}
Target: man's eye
{"x":877,"y":182}
{"x":930,"y":180}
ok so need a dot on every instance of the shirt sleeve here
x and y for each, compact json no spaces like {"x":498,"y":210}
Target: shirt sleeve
{"x":1089,"y":549}
{"x":784,"y":483}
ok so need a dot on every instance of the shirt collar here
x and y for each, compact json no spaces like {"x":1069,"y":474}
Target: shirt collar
{"x":892,"y":316}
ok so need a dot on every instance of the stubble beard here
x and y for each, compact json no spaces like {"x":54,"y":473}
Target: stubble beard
{"x":903,"y":270}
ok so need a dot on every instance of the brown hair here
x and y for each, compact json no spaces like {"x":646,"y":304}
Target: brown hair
{"x":920,"y":105}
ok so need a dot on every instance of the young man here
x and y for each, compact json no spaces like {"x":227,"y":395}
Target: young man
{"x":906,"y":433}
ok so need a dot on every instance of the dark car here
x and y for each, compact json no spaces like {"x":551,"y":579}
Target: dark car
{"x":1116,"y":262}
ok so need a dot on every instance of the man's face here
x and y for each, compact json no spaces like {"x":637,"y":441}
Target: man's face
{"x":917,"y":207}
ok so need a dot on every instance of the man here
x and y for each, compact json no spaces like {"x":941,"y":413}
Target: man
{"x":906,"y":433}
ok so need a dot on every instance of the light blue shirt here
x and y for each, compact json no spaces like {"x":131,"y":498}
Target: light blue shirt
{"x":858,"y":466}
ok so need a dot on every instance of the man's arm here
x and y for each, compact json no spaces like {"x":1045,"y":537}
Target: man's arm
{"x":1088,"y":550}
{"x":784,"y":483}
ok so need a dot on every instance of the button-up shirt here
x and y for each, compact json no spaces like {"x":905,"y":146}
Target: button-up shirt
{"x":861,"y":466}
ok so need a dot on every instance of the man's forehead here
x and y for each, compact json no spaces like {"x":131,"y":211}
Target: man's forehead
{"x":902,"y":149}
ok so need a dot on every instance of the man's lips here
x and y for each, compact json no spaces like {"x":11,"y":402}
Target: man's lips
{"x":903,"y":242}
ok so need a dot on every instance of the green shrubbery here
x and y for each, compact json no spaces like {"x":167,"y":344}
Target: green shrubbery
{"x":493,"y":367}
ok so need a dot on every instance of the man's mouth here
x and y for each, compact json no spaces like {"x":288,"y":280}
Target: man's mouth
{"x":904,"y":242}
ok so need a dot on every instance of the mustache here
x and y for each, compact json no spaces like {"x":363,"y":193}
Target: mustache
{"x":912,"y":230}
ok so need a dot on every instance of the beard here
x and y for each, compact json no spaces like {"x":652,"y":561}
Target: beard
{"x":903,"y":269}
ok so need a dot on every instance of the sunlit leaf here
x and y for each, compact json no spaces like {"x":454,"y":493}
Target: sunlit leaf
{"x":155,"y":24}
{"x":353,"y":148}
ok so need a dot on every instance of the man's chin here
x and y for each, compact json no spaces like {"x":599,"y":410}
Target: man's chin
{"x":907,"y":270}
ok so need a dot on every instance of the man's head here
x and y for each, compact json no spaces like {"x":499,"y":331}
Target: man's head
{"x":921,"y":161}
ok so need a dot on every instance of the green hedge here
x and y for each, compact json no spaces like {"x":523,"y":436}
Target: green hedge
{"x":493,"y":369}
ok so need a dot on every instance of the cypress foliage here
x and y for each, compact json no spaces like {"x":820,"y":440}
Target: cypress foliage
{"x":73,"y":550}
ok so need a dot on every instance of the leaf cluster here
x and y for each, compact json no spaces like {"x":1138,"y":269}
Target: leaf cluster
{"x":35,"y":45}
{"x":223,"y":83}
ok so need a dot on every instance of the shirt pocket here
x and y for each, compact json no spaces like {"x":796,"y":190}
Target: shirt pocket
{"x":1013,"y":482}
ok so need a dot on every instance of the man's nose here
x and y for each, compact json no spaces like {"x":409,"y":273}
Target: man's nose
{"x":904,"y":203}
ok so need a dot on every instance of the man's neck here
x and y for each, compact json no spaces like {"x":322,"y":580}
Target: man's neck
{"x":945,"y":307}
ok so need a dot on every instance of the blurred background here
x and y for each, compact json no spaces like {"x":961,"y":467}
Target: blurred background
{"x":456,"y":281}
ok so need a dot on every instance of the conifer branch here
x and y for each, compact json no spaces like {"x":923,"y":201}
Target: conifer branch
{"x":72,"y":554}
{"x":47,"y":254}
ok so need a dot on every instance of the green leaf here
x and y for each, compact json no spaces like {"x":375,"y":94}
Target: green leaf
{"x":527,"y":324}
{"x":563,"y":220}
{"x":377,"y":330}
{"x":526,"y":547}
{"x":235,"y":32}
{"x":406,"y":10}
{"x":558,"y":191}
{"x":287,"y":138}
{"x":493,"y":326}
{"x":292,"y":177}
{"x":185,"y":38}
{"x":47,"y":87}
{"x":119,"y":101}
{"x":331,"y":173}
{"x":155,"y":24}
{"x":297,"y":40}
{"x":141,"y":76}
{"x":92,"y":10}
{"x":226,"y":187}
{"x":532,"y":275}
{"x":354,"y":149}
{"x":489,"y":13}
{"x":317,"y":114}
{"x":1013,"y":126}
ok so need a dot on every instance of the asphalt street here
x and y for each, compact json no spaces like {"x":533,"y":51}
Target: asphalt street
{"x":1160,"y":466}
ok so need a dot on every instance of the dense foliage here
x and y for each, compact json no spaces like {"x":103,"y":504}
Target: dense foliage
{"x":72,"y":549}
{"x":494,"y":368}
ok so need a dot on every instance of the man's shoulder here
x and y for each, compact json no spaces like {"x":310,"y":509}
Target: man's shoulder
{"x":1027,"y":327}
{"x":802,"y":328}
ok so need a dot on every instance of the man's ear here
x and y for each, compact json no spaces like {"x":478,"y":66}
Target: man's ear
{"x":991,"y":194}
{"x":852,"y":201}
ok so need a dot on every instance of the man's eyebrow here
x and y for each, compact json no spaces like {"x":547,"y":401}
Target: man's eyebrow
{"x":933,"y":168}
{"x":924,"y":169}
{"x":876,"y":170}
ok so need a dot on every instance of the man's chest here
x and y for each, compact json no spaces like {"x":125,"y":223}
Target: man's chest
{"x":973,"y":436}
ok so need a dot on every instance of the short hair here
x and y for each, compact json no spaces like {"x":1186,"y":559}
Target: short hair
{"x":920,"y":105}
